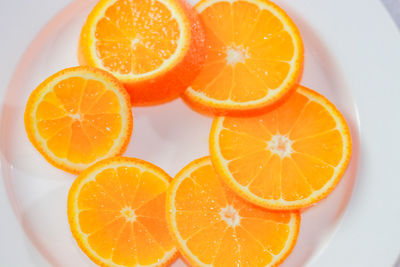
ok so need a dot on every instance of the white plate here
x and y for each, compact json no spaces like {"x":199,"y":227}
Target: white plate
{"x":338,"y":64}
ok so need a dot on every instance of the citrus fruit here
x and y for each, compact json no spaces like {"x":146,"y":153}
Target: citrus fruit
{"x":288,"y":158}
{"x":78,"y":116}
{"x":215,"y":227}
{"x":255,"y":57}
{"x":116,"y":212}
{"x":154,"y":47}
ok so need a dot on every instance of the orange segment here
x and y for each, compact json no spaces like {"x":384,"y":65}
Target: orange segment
{"x":146,"y":45}
{"x":267,"y":178}
{"x":255,"y":57}
{"x":148,"y":250}
{"x":78,"y":116}
{"x":287,"y":158}
{"x":250,"y":253}
{"x":104,"y":240}
{"x":116,"y":211}
{"x":214,"y":227}
{"x":151,"y":218}
{"x":124,"y":250}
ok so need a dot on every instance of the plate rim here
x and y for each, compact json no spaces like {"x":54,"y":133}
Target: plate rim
{"x":383,"y":15}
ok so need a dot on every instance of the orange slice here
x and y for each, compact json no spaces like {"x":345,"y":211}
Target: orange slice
{"x":255,"y":57}
{"x":155,"y":47}
{"x":214,"y":227}
{"x":288,"y":158}
{"x":116,"y":211}
{"x":78,"y":116}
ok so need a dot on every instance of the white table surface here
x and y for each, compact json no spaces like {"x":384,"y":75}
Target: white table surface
{"x":26,"y":23}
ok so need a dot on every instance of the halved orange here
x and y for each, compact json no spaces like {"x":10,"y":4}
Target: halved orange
{"x":155,"y":47}
{"x":255,"y":57}
{"x":78,"y":116}
{"x":215,"y":227}
{"x":287,"y":158}
{"x":116,"y":211}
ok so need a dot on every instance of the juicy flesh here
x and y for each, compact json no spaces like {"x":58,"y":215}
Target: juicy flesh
{"x":79,"y":119}
{"x":122,"y":212}
{"x":249,"y":52}
{"x":285,"y":154}
{"x":136,"y":37}
{"x":225,"y":230}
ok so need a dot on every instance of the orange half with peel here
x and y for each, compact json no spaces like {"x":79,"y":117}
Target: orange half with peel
{"x":255,"y":57}
{"x":154,"y":47}
{"x":287,"y":158}
{"x":78,"y":116}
